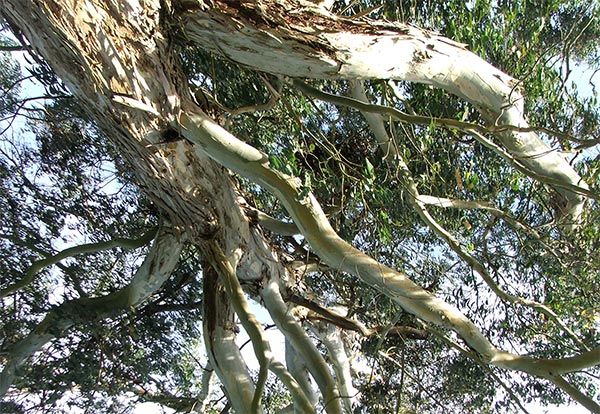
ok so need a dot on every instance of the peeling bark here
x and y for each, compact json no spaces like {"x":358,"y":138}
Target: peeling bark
{"x":293,"y":38}
{"x":118,"y":58}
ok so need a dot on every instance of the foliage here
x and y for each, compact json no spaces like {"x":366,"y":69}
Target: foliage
{"x":62,"y":182}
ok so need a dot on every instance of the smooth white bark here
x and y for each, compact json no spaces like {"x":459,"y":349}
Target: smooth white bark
{"x":315,"y":44}
{"x":296,"y":365}
{"x":208,"y":381}
{"x":219,"y":326}
{"x":314,"y":225}
{"x":331,"y":336}
{"x":302,"y":344}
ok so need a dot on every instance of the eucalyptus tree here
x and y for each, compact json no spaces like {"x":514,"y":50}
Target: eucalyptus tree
{"x":401,"y":206}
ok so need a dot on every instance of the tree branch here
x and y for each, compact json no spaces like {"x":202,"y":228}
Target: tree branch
{"x":219,"y":332}
{"x":478,"y":131}
{"x":253,"y":328}
{"x":419,"y":202}
{"x":310,"y":218}
{"x":577,"y":395}
{"x":302,"y":344}
{"x":38,"y":265}
{"x":330,"y":336}
{"x":330,"y":316}
{"x":153,"y":272}
{"x":12,"y":48}
{"x":270,"y":223}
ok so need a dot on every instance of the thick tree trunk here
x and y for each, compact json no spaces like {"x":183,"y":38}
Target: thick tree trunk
{"x":118,"y":58}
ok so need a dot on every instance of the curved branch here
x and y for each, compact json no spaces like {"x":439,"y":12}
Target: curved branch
{"x":38,"y":265}
{"x":419,"y":202}
{"x":310,"y":218}
{"x":153,"y":272}
{"x":302,"y":344}
{"x":520,"y":162}
{"x":219,"y":325}
{"x":253,"y":328}
{"x":342,"y":49}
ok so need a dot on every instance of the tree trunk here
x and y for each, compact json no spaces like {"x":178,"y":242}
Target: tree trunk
{"x":119,"y":59}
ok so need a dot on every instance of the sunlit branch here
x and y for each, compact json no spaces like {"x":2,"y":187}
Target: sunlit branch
{"x":260,"y":343}
{"x":419,"y":202}
{"x":302,"y":345}
{"x":477,"y":131}
{"x":219,"y":334}
{"x":252,"y":326}
{"x":309,"y":217}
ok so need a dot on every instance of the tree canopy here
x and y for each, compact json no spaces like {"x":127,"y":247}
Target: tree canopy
{"x":408,"y":189}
